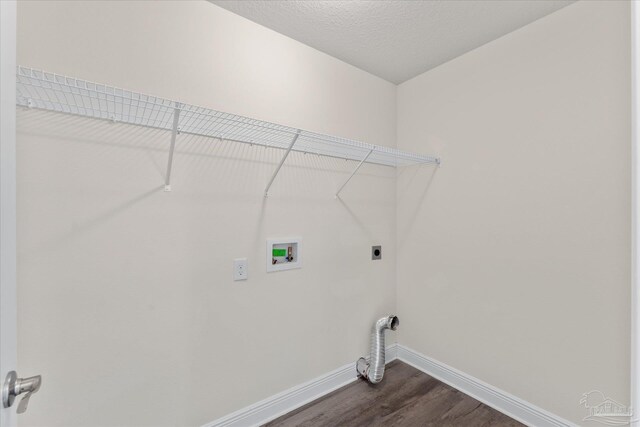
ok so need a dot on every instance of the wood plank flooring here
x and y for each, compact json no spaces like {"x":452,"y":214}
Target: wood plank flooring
{"x":406,"y":397}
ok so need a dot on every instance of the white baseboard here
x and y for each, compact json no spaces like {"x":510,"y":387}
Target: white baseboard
{"x":502,"y":401}
{"x":282,"y":403}
{"x":272,"y":407}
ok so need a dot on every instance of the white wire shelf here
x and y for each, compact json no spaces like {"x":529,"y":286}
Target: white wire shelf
{"x":54,"y":92}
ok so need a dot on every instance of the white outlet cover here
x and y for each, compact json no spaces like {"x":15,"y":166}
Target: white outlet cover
{"x":240,"y":269}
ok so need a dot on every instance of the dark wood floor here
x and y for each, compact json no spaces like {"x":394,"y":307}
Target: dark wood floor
{"x":406,"y":397}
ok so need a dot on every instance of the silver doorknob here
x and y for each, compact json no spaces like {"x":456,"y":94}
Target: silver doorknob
{"x":14,"y":387}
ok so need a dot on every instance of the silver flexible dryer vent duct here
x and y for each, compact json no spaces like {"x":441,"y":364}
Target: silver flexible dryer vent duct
{"x":373,"y":370}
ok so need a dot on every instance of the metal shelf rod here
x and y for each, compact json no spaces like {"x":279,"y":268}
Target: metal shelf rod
{"x":354,"y":172}
{"x":275,"y":173}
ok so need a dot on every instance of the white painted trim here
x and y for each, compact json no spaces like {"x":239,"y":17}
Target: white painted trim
{"x":635,"y":211}
{"x":275,"y":406}
{"x":8,"y":299}
{"x":500,"y":400}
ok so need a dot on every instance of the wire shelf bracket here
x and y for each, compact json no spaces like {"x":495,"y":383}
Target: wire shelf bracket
{"x":354,"y":172}
{"x":275,"y":173}
{"x":69,"y":95}
{"x":174,"y":134}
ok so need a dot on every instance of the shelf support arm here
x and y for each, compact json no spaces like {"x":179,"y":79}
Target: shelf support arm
{"x":174,"y":133}
{"x":275,"y":173}
{"x":354,"y":172}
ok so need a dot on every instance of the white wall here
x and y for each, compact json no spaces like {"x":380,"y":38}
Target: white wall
{"x":126,"y":301}
{"x":514,"y":257}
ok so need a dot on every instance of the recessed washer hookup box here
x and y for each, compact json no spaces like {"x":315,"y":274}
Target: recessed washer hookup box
{"x":284,"y":254}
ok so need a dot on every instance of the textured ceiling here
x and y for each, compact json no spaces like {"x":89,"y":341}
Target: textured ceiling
{"x":396,"y":40}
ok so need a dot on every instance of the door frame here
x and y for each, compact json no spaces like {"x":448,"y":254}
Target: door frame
{"x":8,"y":290}
{"x":635,"y":211}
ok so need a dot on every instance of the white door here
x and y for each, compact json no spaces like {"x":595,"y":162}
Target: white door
{"x":8,"y":303}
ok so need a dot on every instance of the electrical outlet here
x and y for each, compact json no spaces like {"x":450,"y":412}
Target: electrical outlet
{"x":240,"y":269}
{"x":376,"y":252}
